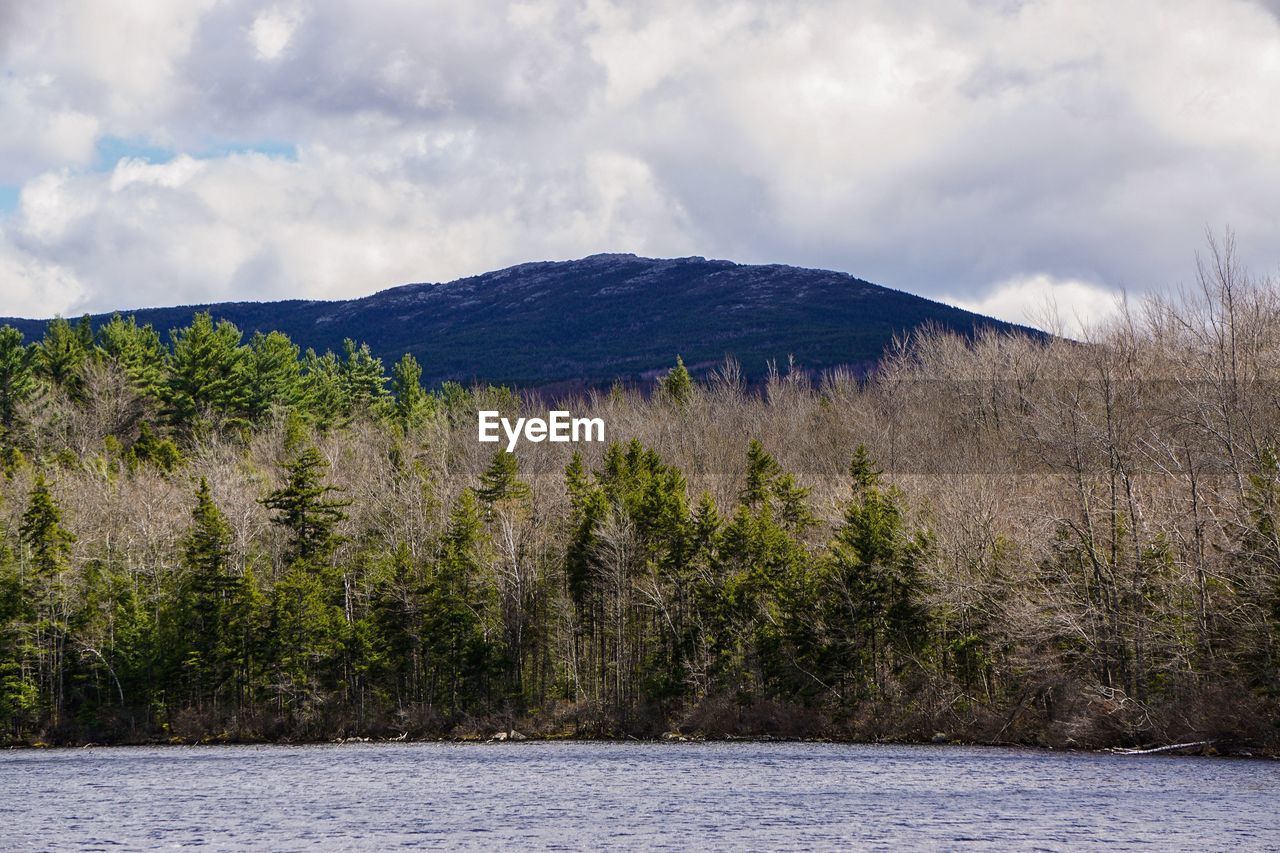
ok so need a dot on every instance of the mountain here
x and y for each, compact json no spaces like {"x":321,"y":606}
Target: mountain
{"x":601,"y":318}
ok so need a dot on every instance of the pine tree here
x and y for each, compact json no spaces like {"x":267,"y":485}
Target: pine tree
{"x":208,"y":375}
{"x":151,"y":449}
{"x":873,"y":583}
{"x":211,"y":596}
{"x":48,"y":546}
{"x":677,"y":385}
{"x":41,"y":530}
{"x":587,"y":508}
{"x":322,"y":388}
{"x":792,"y":503}
{"x":303,"y":507}
{"x":364,"y":381}
{"x":207,"y":548}
{"x":456,"y":606}
{"x":501,"y":481}
{"x":137,"y":351}
{"x":17,"y":381}
{"x":392,"y":632}
{"x":406,"y":384}
{"x":274,"y":374}
{"x":61,"y":355}
{"x":312,"y":616}
{"x":19,"y":692}
{"x":762,"y":470}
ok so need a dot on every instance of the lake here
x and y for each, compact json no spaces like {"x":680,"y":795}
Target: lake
{"x":641,"y":795}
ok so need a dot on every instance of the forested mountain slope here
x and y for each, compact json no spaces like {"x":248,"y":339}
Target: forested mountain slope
{"x":1007,"y":540}
{"x":600,"y":318}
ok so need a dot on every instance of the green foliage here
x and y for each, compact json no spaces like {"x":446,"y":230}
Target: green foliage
{"x":454,"y":399}
{"x":762,"y":472}
{"x":307,"y":635}
{"x":19,"y":693}
{"x":304,"y":508}
{"x":137,"y":351}
{"x":677,"y":385}
{"x":456,"y":606}
{"x":274,"y":374}
{"x":208,"y":382}
{"x":625,"y":603}
{"x":41,"y":530}
{"x":501,"y":481}
{"x":62,"y":353}
{"x":588,"y":507}
{"x":871,"y":583}
{"x":323,"y":388}
{"x":412,"y":403}
{"x":364,"y":381}
{"x":17,"y":381}
{"x":150,"y":449}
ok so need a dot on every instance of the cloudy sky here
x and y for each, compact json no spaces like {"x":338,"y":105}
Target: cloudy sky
{"x":992,"y":153}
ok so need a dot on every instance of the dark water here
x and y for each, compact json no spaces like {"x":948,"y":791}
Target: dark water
{"x":588,"y":795}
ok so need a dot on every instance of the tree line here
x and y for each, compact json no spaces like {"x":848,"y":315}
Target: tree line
{"x":1000,"y":539}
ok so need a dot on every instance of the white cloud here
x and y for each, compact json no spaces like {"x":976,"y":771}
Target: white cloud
{"x":272,"y":30}
{"x":936,"y":147}
{"x":33,"y":288}
{"x":1070,"y":307}
{"x":329,"y":225}
{"x":35,"y":136}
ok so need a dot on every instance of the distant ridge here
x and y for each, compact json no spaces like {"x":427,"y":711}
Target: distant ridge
{"x":601,"y":318}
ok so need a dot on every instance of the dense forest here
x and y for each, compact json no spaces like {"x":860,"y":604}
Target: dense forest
{"x":1005,"y":539}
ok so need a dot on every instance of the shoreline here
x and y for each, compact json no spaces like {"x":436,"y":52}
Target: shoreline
{"x":1196,"y":750}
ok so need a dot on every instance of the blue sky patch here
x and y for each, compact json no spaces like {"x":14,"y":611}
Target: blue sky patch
{"x":113,"y":149}
{"x":9,"y":199}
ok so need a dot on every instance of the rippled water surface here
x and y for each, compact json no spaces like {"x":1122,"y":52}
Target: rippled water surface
{"x":589,"y":795}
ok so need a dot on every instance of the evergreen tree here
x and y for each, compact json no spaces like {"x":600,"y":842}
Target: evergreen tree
{"x":364,"y":381}
{"x":322,"y":386}
{"x":274,"y":375}
{"x":394,"y":635}
{"x":501,"y":481}
{"x":873,"y":585}
{"x":587,"y":506}
{"x":17,"y":381}
{"x":208,"y":377}
{"x":762,"y":471}
{"x":406,"y":384}
{"x":308,"y":636}
{"x":41,"y":530}
{"x":19,"y":692}
{"x":793,"y":504}
{"x":304,"y":507}
{"x":48,"y":546}
{"x":137,"y":351}
{"x":84,"y":331}
{"x":457,"y":605}
{"x":62,"y":354}
{"x":207,"y":550}
{"x":210,"y":606}
{"x":677,"y":385}
{"x":150,"y":449}
{"x":311,"y":610}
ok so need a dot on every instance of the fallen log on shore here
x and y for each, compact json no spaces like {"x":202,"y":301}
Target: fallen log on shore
{"x":1173,"y":747}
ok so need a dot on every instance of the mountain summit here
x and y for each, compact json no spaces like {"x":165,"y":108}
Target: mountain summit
{"x":602,"y":318}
